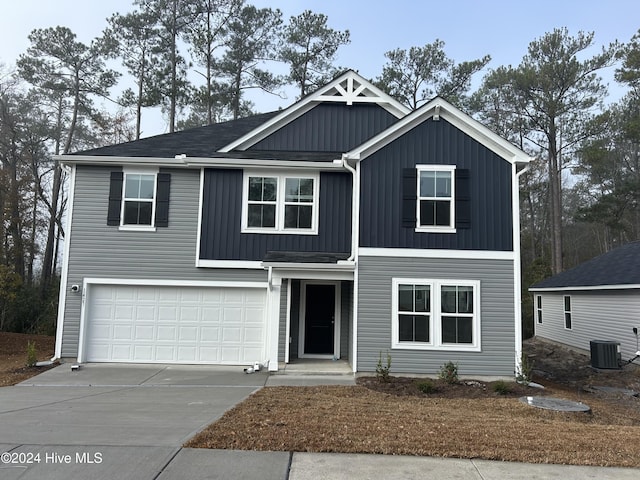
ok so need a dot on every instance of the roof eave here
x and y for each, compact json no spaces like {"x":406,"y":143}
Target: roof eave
{"x":585,"y":288}
{"x":182,"y":161}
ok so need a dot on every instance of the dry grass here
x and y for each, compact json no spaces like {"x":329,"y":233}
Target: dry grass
{"x":13,"y":356}
{"x":359,"y":420}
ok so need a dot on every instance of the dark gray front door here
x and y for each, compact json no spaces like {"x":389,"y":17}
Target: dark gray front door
{"x":319,"y":315}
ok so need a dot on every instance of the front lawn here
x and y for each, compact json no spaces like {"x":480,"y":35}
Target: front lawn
{"x":488,"y":426}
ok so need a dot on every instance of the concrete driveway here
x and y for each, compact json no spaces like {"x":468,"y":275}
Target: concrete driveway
{"x":119,"y":421}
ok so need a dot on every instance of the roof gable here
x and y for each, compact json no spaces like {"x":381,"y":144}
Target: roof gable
{"x":349,"y":88}
{"x":619,"y":268}
{"x":436,"y":109}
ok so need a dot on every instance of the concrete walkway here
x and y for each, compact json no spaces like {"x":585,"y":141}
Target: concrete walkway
{"x":129,"y":422}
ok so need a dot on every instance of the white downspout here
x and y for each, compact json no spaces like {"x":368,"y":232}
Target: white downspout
{"x":517,"y":268}
{"x":355,"y":239}
{"x":354,"y":207}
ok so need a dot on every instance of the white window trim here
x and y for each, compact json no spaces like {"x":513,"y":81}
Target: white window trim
{"x":538,"y":307}
{"x":280,"y":202}
{"x":565,"y":311}
{"x":435,"y":326}
{"x":139,"y":171}
{"x":451,"y":228}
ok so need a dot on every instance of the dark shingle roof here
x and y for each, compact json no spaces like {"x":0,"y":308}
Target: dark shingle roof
{"x":620,"y":266}
{"x":193,"y":142}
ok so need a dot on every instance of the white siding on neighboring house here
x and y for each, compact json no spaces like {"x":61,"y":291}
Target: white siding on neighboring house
{"x":604,"y":315}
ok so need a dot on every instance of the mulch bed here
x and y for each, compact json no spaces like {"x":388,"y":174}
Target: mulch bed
{"x":13,"y":356}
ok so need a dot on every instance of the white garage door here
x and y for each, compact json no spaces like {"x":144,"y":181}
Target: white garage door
{"x":150,"y":324}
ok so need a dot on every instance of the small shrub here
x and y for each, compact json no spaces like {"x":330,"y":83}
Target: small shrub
{"x":383,"y":371}
{"x":427,"y":386}
{"x":501,"y":387}
{"x":449,"y":372}
{"x":525,"y":370}
{"x":32,"y":357}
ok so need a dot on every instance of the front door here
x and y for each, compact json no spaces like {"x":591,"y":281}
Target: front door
{"x":319,"y":319}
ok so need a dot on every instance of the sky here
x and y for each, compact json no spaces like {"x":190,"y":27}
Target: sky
{"x":469,"y":29}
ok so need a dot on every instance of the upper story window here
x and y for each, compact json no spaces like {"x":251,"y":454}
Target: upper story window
{"x":138,"y":202}
{"x":139,"y":199}
{"x":280,"y":203}
{"x":436,"y":198}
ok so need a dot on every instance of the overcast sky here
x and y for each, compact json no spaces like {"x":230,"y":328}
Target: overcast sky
{"x":470,"y":29}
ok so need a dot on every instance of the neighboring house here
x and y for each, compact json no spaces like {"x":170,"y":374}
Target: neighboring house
{"x":344,"y":227}
{"x":597,"y":300}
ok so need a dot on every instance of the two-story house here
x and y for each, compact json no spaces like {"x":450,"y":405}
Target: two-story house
{"x":343,"y":227}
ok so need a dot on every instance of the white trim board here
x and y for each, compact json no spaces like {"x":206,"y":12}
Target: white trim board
{"x":173,"y":283}
{"x":64,"y":276}
{"x":245,"y":264}
{"x":436,"y":253}
{"x":590,"y":288}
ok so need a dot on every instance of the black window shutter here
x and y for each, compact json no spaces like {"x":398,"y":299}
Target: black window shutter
{"x":409,"y":196}
{"x":463,"y":198}
{"x":162,"y":199}
{"x":115,"y":198}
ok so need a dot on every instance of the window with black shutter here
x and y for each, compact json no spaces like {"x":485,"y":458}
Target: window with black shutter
{"x":436,"y":198}
{"x":139,"y":199}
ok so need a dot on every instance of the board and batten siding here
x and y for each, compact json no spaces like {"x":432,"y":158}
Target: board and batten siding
{"x":604,"y":315}
{"x":436,"y":143}
{"x":222,"y":212}
{"x":497,"y":322}
{"x":329,"y":127}
{"x":100,"y":251}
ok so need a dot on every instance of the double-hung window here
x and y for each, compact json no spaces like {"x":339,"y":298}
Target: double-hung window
{"x":567,"y":312}
{"x":138,"y":199}
{"x":436,"y":198}
{"x":539,"y":308}
{"x":436,"y":314}
{"x":280,"y":203}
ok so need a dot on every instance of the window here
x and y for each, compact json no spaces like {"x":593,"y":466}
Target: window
{"x":435,"y":197}
{"x":456,"y":307}
{"x":280,"y":204}
{"x":138,"y":199}
{"x":414,"y":305}
{"x":567,"y":312}
{"x":539,"y":308}
{"x":436,"y":314}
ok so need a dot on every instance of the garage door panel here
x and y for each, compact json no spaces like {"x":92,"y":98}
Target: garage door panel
{"x":209,"y":334}
{"x":167,"y":333}
{"x":175,"y":324}
{"x":165,"y":354}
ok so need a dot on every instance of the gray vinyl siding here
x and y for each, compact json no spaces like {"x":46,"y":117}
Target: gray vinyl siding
{"x":605,"y":315}
{"x":222,"y":220}
{"x":97,"y":250}
{"x":346,"y":307}
{"x":436,"y":143}
{"x":329,"y":128}
{"x":497,"y":321}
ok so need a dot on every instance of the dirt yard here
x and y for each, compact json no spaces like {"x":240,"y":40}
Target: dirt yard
{"x":13,"y":356}
{"x":466,"y":420}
